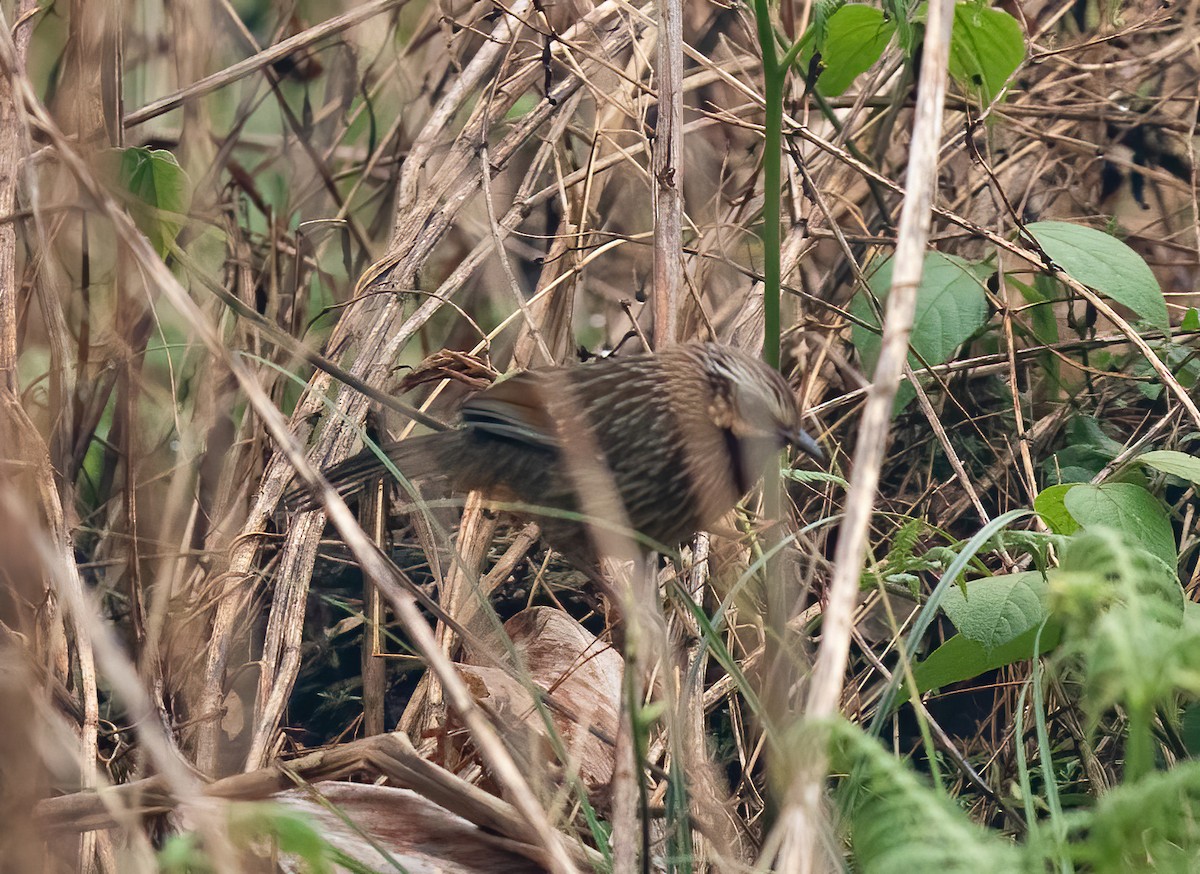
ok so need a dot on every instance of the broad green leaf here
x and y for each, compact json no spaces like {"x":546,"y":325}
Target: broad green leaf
{"x":986,"y":47}
{"x":855,"y":37}
{"x":1074,"y":464}
{"x":1102,"y":262}
{"x":1087,"y":431}
{"x":1051,"y":506}
{"x":951,"y":306}
{"x":1126,"y":508}
{"x":1178,"y":464}
{"x":1191,"y":320}
{"x":154,"y":188}
{"x":961,"y":658}
{"x":996,"y":610}
{"x":1088,"y":449}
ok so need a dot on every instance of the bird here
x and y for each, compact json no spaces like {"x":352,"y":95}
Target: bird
{"x":680,"y":436}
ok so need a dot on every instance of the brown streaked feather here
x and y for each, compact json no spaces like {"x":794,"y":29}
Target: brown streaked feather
{"x":682,"y":434}
{"x":514,"y":409}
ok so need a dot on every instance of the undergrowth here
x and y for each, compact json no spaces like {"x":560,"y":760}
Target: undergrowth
{"x":238,"y":236}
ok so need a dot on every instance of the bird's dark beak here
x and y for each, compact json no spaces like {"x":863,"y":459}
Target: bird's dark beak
{"x":806,"y":444}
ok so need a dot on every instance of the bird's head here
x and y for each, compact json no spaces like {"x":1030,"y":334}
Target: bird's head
{"x":754,"y":405}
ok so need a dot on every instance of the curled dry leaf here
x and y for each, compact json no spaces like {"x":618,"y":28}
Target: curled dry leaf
{"x":582,"y":675}
{"x":450,"y":364}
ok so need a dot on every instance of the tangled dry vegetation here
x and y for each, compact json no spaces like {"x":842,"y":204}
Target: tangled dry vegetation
{"x":428,"y":195}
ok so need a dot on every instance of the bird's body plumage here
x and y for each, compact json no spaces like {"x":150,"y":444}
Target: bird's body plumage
{"x":676,"y":437}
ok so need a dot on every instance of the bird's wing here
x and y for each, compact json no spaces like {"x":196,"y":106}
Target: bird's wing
{"x":514,"y":409}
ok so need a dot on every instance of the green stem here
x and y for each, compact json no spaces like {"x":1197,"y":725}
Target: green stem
{"x":775,"y":661}
{"x":1139,"y":744}
{"x":772,"y":211}
{"x":794,"y":52}
{"x":774,"y":75}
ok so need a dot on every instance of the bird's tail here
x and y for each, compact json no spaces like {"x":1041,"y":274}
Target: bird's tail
{"x":423,"y":457}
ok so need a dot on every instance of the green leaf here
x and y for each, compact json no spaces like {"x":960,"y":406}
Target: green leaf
{"x":1102,"y":262}
{"x":1178,"y":464}
{"x":822,"y":11}
{"x":961,"y":658}
{"x":896,"y":822}
{"x":155,"y":190}
{"x":1128,"y":630}
{"x":1074,"y":464}
{"x":997,"y":610}
{"x":1051,"y":506}
{"x":1126,"y":508}
{"x":293,"y":832}
{"x":1088,"y":449}
{"x":297,"y":834}
{"x":1105,"y":572}
{"x":1191,"y":320}
{"x":986,"y":47}
{"x":181,"y":854}
{"x":1183,"y":361}
{"x":1040,"y":312}
{"x":907,"y":24}
{"x":951,"y":306}
{"x":855,"y":37}
{"x":1087,"y":431}
{"x":1150,"y":824}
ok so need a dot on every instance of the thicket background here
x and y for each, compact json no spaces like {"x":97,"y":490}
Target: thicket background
{"x":197,"y":197}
